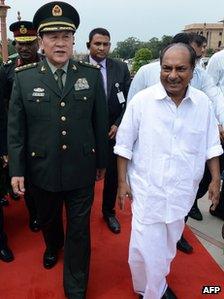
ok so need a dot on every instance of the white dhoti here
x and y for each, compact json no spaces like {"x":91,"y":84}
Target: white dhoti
{"x":151,"y":250}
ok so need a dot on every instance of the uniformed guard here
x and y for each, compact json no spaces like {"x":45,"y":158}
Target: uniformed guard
{"x":26,"y":45}
{"x":6,"y":254}
{"x":58,"y":134}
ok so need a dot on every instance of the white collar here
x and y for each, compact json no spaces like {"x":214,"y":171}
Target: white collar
{"x":94,"y":62}
{"x":160,"y":93}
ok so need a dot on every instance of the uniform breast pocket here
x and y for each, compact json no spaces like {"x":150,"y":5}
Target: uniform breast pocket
{"x":81,"y":103}
{"x":38,"y":107}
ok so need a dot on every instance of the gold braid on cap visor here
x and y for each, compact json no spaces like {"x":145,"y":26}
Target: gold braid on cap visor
{"x":25,"y":38}
{"x":54,"y":26}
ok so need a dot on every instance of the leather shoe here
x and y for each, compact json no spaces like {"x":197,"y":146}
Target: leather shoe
{"x":50,"y":258}
{"x":217,"y":213}
{"x":113,"y":224}
{"x":184,"y":246}
{"x":169,"y":294}
{"x":6,"y":254}
{"x":34,"y":225}
{"x":4,"y":202}
{"x":195,"y":213}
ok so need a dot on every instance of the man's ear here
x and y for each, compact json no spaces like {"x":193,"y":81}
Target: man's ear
{"x":40,"y":43}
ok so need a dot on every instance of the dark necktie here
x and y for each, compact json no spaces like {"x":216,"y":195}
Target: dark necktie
{"x":59,"y":73}
{"x":104,"y":80}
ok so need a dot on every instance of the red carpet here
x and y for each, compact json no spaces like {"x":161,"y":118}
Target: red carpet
{"x":25,"y":278}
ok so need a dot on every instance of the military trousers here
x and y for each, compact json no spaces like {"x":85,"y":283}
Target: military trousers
{"x":3,"y":238}
{"x":77,"y":247}
{"x":110,"y":182}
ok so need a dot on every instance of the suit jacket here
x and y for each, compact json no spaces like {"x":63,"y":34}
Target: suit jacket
{"x":117,"y":72}
{"x":59,"y":139}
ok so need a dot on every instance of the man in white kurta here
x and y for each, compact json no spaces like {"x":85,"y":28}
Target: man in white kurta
{"x":149,"y":75}
{"x":215,"y":69}
{"x":167,"y":133}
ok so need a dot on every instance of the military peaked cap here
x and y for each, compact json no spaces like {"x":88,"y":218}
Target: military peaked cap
{"x":56,"y":16}
{"x":23,"y":31}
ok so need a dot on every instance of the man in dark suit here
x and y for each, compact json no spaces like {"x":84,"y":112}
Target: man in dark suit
{"x":116,"y":78}
{"x":26,"y":45}
{"x":57,"y":133}
{"x":6,"y":254}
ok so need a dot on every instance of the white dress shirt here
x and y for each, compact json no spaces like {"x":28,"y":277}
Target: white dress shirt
{"x":215,"y":69}
{"x":149,"y":75}
{"x":167,"y":147}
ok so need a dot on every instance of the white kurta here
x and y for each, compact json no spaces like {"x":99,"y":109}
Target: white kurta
{"x":167,"y":147}
{"x":215,"y":69}
{"x":149,"y":75}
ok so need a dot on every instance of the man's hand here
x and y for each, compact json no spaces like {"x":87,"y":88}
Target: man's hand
{"x":123,"y":192}
{"x":100,"y":174}
{"x":214,"y":192}
{"x":113,"y":132}
{"x":5,"y":161}
{"x":221,"y":133}
{"x":17,"y":183}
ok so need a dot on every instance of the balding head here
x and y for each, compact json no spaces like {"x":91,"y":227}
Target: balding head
{"x":175,"y":46}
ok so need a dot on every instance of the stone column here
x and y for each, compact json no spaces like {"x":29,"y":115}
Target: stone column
{"x":4,"y":41}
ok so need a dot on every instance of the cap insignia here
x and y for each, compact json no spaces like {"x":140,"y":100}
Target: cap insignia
{"x":57,"y":11}
{"x":23,"y":30}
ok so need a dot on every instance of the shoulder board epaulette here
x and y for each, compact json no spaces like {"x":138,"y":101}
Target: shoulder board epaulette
{"x":88,"y":64}
{"x":8,"y":62}
{"x":25,"y":67}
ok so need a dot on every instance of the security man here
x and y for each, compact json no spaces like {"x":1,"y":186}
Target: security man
{"x":57,"y":133}
{"x":26,"y":45}
{"x":116,"y":79}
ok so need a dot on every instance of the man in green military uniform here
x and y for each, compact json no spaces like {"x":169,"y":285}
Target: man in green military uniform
{"x":26,"y":45}
{"x":6,"y":254}
{"x":57,"y":133}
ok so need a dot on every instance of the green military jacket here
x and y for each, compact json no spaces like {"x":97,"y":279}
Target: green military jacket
{"x":57,"y":140}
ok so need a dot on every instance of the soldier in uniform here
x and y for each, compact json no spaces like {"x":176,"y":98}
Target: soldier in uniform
{"x":26,"y":45}
{"x":6,"y":254}
{"x":57,"y":133}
